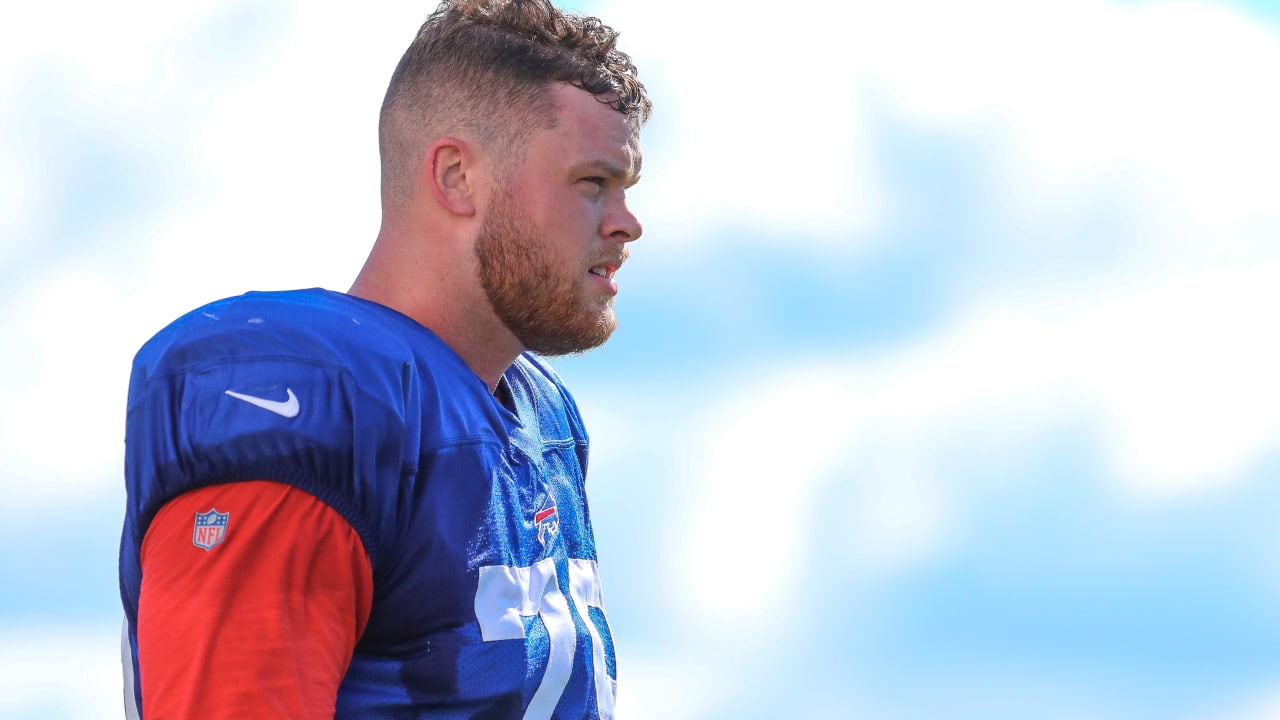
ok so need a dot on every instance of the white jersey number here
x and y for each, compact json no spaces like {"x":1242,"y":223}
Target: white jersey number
{"x":507,"y":593}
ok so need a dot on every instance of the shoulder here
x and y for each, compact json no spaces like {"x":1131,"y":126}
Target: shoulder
{"x":538,"y":368}
{"x":314,"y":325}
{"x":531,"y":377}
{"x":319,"y":334}
{"x":539,"y":378}
{"x":301,"y":387}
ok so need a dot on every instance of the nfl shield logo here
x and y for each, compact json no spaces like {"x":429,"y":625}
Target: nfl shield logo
{"x":211,"y":529}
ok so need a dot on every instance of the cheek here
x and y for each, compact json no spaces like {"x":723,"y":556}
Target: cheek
{"x":566,"y":218}
{"x":575,"y":223}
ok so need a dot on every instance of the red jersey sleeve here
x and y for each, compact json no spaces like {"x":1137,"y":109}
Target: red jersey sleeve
{"x":254,"y":613}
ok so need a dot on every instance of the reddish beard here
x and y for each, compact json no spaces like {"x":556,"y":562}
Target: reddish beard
{"x":542,"y":302}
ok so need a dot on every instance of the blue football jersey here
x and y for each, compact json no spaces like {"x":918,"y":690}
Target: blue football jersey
{"x":487,"y":599}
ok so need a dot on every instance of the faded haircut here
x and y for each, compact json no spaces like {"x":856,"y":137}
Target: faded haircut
{"x":486,"y":68}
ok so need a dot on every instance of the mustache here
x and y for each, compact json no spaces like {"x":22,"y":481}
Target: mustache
{"x":616,"y":258}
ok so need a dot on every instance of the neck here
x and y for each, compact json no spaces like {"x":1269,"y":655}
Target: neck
{"x":440,"y":293}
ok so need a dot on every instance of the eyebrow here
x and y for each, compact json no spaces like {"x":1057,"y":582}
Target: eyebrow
{"x":609,"y":169}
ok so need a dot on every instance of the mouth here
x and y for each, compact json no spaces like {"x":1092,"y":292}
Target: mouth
{"x":604,"y":272}
{"x":606,"y":269}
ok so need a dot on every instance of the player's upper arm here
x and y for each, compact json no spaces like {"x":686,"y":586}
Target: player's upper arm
{"x":253,"y":597}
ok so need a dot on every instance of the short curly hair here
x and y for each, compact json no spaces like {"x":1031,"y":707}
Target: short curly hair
{"x":486,"y":67}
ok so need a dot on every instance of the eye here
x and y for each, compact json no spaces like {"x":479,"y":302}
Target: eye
{"x":594,"y":185}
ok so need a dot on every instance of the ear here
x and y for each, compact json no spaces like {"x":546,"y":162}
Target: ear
{"x":451,"y":175}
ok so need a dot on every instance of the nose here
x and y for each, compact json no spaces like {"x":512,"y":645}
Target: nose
{"x":622,"y":225}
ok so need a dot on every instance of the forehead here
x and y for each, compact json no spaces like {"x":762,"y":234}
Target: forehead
{"x":588,"y":129}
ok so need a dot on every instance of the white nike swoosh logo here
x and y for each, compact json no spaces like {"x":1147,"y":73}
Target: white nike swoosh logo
{"x":285,"y":408}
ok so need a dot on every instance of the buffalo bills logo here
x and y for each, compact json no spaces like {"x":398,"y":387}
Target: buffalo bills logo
{"x":211,"y":529}
{"x":547,"y":521}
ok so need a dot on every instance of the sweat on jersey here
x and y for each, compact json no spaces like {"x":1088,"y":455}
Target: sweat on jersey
{"x":445,"y":528}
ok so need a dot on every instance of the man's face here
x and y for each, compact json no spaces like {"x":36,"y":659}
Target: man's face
{"x":556,"y":230}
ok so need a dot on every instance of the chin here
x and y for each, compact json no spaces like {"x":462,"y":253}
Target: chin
{"x":589,"y":333}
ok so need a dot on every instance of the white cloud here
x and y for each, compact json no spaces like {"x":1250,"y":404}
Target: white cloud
{"x":1185,"y":373}
{"x":1177,"y":377}
{"x":283,"y":196}
{"x":113,"y":48}
{"x":758,"y":461}
{"x":64,"y":671}
{"x":667,"y":686}
{"x":761,"y":140}
{"x":771,"y":109}
{"x":1169,"y":349}
{"x":62,"y":415}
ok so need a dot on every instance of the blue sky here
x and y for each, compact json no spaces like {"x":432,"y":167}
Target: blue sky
{"x":945,"y":382}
